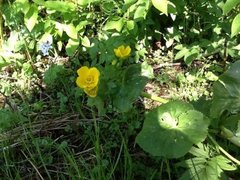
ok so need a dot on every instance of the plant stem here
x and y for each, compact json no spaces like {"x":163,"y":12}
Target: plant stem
{"x":225,"y":54}
{"x":155,"y":98}
{"x":228,"y":134}
{"x":229,"y":156}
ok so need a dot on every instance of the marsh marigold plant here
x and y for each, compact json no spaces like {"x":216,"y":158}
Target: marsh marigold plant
{"x":88,"y":79}
{"x":122,"y":52}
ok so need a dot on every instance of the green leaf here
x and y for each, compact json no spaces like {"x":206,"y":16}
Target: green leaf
{"x":180,"y":54}
{"x":171,"y":129}
{"x":83,"y":2}
{"x":24,"y":5}
{"x":59,"y":45}
{"x":71,"y":47}
{"x":27,"y":69}
{"x":140,"y":12}
{"x":132,"y":27}
{"x":3,"y":62}
{"x":99,"y":103}
{"x":161,"y":5}
{"x":202,"y":105}
{"x":235,"y":29}
{"x":30,"y":18}
{"x":114,"y":25}
{"x":190,"y":56}
{"x":225,"y":164}
{"x":46,"y":37}
{"x":164,"y":6}
{"x":86,"y":2}
{"x":229,"y":5}
{"x":200,"y":151}
{"x":226,"y":92}
{"x":71,"y":31}
{"x":230,"y":129}
{"x":85,"y":41}
{"x":206,"y":168}
{"x":132,"y":86}
{"x":39,"y":2}
{"x":62,"y":6}
{"x":147,"y":70}
{"x":59,"y":28}
{"x":126,"y":2}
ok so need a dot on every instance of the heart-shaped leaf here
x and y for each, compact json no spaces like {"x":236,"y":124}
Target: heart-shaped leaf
{"x":132,"y":85}
{"x":226,"y":92}
{"x":171,"y":129}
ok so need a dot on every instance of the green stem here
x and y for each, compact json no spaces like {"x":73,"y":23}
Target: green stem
{"x":229,"y":156}
{"x":230,"y":136}
{"x":168,"y":169}
{"x":155,"y":98}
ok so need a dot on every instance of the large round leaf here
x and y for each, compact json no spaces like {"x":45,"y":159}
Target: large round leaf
{"x":171,"y":129}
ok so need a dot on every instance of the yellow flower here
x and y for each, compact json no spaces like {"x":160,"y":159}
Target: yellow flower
{"x":88,"y":80}
{"x":122,"y":51}
{"x":91,"y":92}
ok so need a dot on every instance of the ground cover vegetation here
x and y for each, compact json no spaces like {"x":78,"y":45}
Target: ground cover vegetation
{"x":130,"y":89}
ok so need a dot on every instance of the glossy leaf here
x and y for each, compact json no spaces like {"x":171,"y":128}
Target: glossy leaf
{"x":171,"y":129}
{"x":140,"y":12}
{"x":235,"y":29}
{"x":114,"y":25}
{"x":71,"y":31}
{"x":161,"y":5}
{"x":164,"y":6}
{"x":229,"y":5}
{"x":226,"y":92}
{"x":85,"y":41}
{"x":132,"y":86}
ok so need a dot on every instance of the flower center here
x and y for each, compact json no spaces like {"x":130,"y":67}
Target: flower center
{"x":89,"y":79}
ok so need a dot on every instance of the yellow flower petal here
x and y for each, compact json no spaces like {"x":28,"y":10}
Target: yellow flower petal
{"x":117,"y":52}
{"x":80,"y":82}
{"x":83,"y":70}
{"x":83,"y":74}
{"x":91,"y":92}
{"x":94,"y":72}
{"x":88,"y":77}
{"x":127,"y":50}
{"x":122,"y":51}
